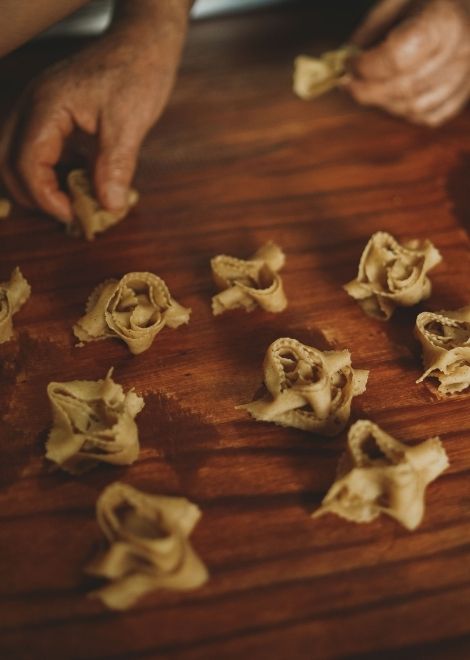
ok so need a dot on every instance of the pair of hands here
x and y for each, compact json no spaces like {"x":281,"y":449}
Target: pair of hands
{"x":416,"y":64}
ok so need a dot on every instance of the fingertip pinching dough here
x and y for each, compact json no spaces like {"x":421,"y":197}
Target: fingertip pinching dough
{"x":393,"y":274}
{"x":445,"y":341}
{"x":382,"y":475}
{"x":90,"y":217}
{"x":307,"y":388}
{"x":135,"y":309}
{"x":149,"y":547}
{"x":313,"y":76}
{"x":93,"y":422}
{"x":249,"y":283}
{"x":13,"y":295}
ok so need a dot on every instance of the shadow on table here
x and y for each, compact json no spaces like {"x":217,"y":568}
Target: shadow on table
{"x":457,"y":188}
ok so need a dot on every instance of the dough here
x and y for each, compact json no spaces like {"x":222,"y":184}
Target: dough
{"x":135,"y":309}
{"x":93,"y":422}
{"x":392,"y":275}
{"x":5,"y":208}
{"x":313,"y":76}
{"x":249,"y":283}
{"x":445,"y":340}
{"x":149,"y":546}
{"x":307,"y":389}
{"x":13,"y":295}
{"x":381,"y":475}
{"x":90,"y":217}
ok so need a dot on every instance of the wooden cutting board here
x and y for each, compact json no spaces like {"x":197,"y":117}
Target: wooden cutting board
{"x":237,"y":160}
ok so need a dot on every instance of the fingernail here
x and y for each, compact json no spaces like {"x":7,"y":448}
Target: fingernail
{"x":115,"y":196}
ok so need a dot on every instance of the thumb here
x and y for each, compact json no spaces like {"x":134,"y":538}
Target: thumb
{"x":115,"y":166}
{"x":378,"y":21}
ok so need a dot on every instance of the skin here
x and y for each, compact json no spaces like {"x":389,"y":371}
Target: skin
{"x":114,"y":91}
{"x":416,"y":62}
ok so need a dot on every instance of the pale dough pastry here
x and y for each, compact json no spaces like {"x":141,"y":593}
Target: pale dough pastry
{"x":382,"y":475}
{"x":307,"y":388}
{"x":391,"y":274}
{"x":249,"y":283}
{"x":445,"y":340}
{"x":149,"y":546}
{"x":314,"y":76}
{"x":93,"y":422}
{"x":5,"y":208}
{"x":135,"y":309}
{"x":90,"y":217}
{"x":13,"y":295}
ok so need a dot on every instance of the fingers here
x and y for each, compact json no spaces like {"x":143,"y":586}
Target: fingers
{"x":412,"y":94}
{"x":42,"y":142}
{"x":424,"y":40}
{"x":379,"y":19}
{"x":448,"y":109}
{"x":421,"y":70}
{"x":30,"y":147}
{"x":8,"y":175}
{"x":116,"y":161}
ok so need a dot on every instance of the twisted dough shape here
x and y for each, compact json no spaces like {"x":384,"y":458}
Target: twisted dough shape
{"x":307,"y":388}
{"x":149,"y":546}
{"x":445,"y":340}
{"x":13,"y":295}
{"x":382,"y":475}
{"x":250,"y":283}
{"x":93,"y":422}
{"x":90,"y":217}
{"x":392,"y":275}
{"x":135,"y":309}
{"x":313,"y":76}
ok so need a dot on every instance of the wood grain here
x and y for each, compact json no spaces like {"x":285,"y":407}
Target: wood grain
{"x":238,"y":160}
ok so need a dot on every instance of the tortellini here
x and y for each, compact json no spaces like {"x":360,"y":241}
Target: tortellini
{"x":93,"y":422}
{"x":313,"y":76}
{"x":307,"y":388}
{"x":445,"y":340}
{"x":392,"y":275}
{"x":382,"y":475}
{"x":90,"y":217}
{"x":251,"y":283}
{"x":13,"y":295}
{"x":149,"y":546}
{"x":135,"y":309}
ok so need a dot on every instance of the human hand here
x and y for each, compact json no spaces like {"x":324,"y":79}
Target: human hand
{"x":113,"y":90}
{"x":420,"y":70}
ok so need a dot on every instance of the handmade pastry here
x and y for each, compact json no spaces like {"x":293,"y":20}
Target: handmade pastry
{"x":381,"y":475}
{"x":445,"y":340}
{"x":135,"y":309}
{"x":314,"y":76}
{"x":5,"y":208}
{"x":90,"y":217}
{"x":391,"y":274}
{"x":251,"y":283}
{"x":13,"y":295}
{"x":307,"y":388}
{"x":93,"y":422}
{"x":149,"y":546}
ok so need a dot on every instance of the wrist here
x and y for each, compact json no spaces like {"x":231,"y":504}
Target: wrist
{"x":152,"y":16}
{"x":153,"y":30}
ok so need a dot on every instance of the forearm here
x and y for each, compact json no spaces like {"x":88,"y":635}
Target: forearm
{"x":23,"y":19}
{"x":153,"y":19}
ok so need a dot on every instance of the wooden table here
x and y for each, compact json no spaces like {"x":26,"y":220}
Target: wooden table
{"x":238,"y":160}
